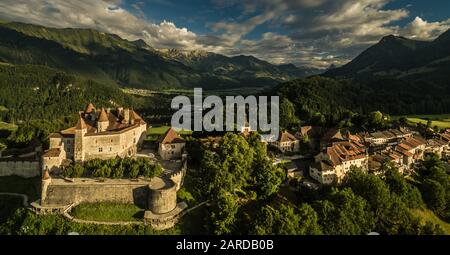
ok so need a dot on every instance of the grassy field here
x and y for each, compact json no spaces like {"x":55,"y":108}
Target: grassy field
{"x":108,"y":212}
{"x":427,"y":215}
{"x":160,"y":130}
{"x":440,"y":120}
{"x":28,"y":186}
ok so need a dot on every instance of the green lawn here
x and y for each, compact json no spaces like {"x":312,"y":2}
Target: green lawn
{"x":440,"y":120}
{"x":108,"y":212}
{"x":428,"y":215}
{"x":160,"y":130}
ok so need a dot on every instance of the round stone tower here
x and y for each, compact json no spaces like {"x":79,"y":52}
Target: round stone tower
{"x":46,"y":180}
{"x":163,"y":195}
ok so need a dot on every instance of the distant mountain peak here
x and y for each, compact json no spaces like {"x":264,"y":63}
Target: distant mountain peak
{"x":396,"y":56}
{"x":444,"y":37}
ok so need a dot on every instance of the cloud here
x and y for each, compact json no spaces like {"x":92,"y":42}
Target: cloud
{"x":423,"y":30}
{"x":107,"y":16}
{"x":304,"y":32}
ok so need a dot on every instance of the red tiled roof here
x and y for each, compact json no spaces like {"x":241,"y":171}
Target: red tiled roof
{"x":55,"y":135}
{"x":344,"y":151}
{"x":52,"y":153}
{"x":171,"y":137}
{"x":286,"y":137}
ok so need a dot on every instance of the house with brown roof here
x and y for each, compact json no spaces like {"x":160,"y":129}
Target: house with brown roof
{"x":388,"y":137}
{"x":287,"y":142}
{"x":98,"y":134}
{"x":171,"y":145}
{"x":437,"y":146}
{"x":333,"y":164}
{"x":330,"y":136}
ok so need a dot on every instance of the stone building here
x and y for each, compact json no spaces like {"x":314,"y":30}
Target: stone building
{"x":171,"y":145}
{"x":333,"y":164}
{"x":98,"y":134}
{"x":287,"y":142}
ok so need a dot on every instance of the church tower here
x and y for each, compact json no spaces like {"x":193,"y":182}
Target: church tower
{"x":80,"y":131}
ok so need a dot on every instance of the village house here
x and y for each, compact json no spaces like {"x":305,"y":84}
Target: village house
{"x":287,"y":142}
{"x":437,"y":146}
{"x":401,"y":160}
{"x":98,"y":134}
{"x":388,"y":137}
{"x":333,"y":164}
{"x":330,"y":136}
{"x":171,"y":145}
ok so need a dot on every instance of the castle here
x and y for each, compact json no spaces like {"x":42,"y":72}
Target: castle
{"x":98,"y":134}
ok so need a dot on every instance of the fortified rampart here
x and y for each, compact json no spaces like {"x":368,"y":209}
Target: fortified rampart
{"x":62,"y":192}
{"x":26,"y":168}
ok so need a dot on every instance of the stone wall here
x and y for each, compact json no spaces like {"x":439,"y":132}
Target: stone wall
{"x":112,"y":145}
{"x":61,"y":192}
{"x":171,"y":151}
{"x":25,"y":168}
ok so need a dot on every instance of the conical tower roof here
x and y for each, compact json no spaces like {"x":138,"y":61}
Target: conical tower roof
{"x":89,"y":108}
{"x":81,"y":124}
{"x":103,"y":116}
{"x":46,"y":175}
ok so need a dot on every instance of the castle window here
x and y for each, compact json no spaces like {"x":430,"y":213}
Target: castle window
{"x":111,"y":140}
{"x":110,"y":148}
{"x":100,"y":149}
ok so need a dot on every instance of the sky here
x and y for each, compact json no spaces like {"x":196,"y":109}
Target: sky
{"x":314,"y":33}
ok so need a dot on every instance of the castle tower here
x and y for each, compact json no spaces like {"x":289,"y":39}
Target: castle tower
{"x":46,"y":180}
{"x":80,"y":131}
{"x":89,"y":111}
{"x":102,"y":122}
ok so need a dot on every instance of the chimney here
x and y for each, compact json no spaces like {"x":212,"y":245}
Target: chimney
{"x":126,"y":116}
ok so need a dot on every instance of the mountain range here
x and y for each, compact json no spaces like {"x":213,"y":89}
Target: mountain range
{"x":109,"y":59}
{"x":401,"y":58}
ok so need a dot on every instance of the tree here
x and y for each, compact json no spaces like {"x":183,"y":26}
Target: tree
{"x":103,"y":171}
{"x":308,"y":221}
{"x":408,"y":193}
{"x":235,"y":158}
{"x":288,"y":118}
{"x":434,"y":195}
{"x":118,"y":170}
{"x":268,"y":178}
{"x":345,"y":213}
{"x":271,"y":221}
{"x":78,"y":171}
{"x":133,"y":171}
{"x":223,"y":216}
{"x":371,"y":188}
